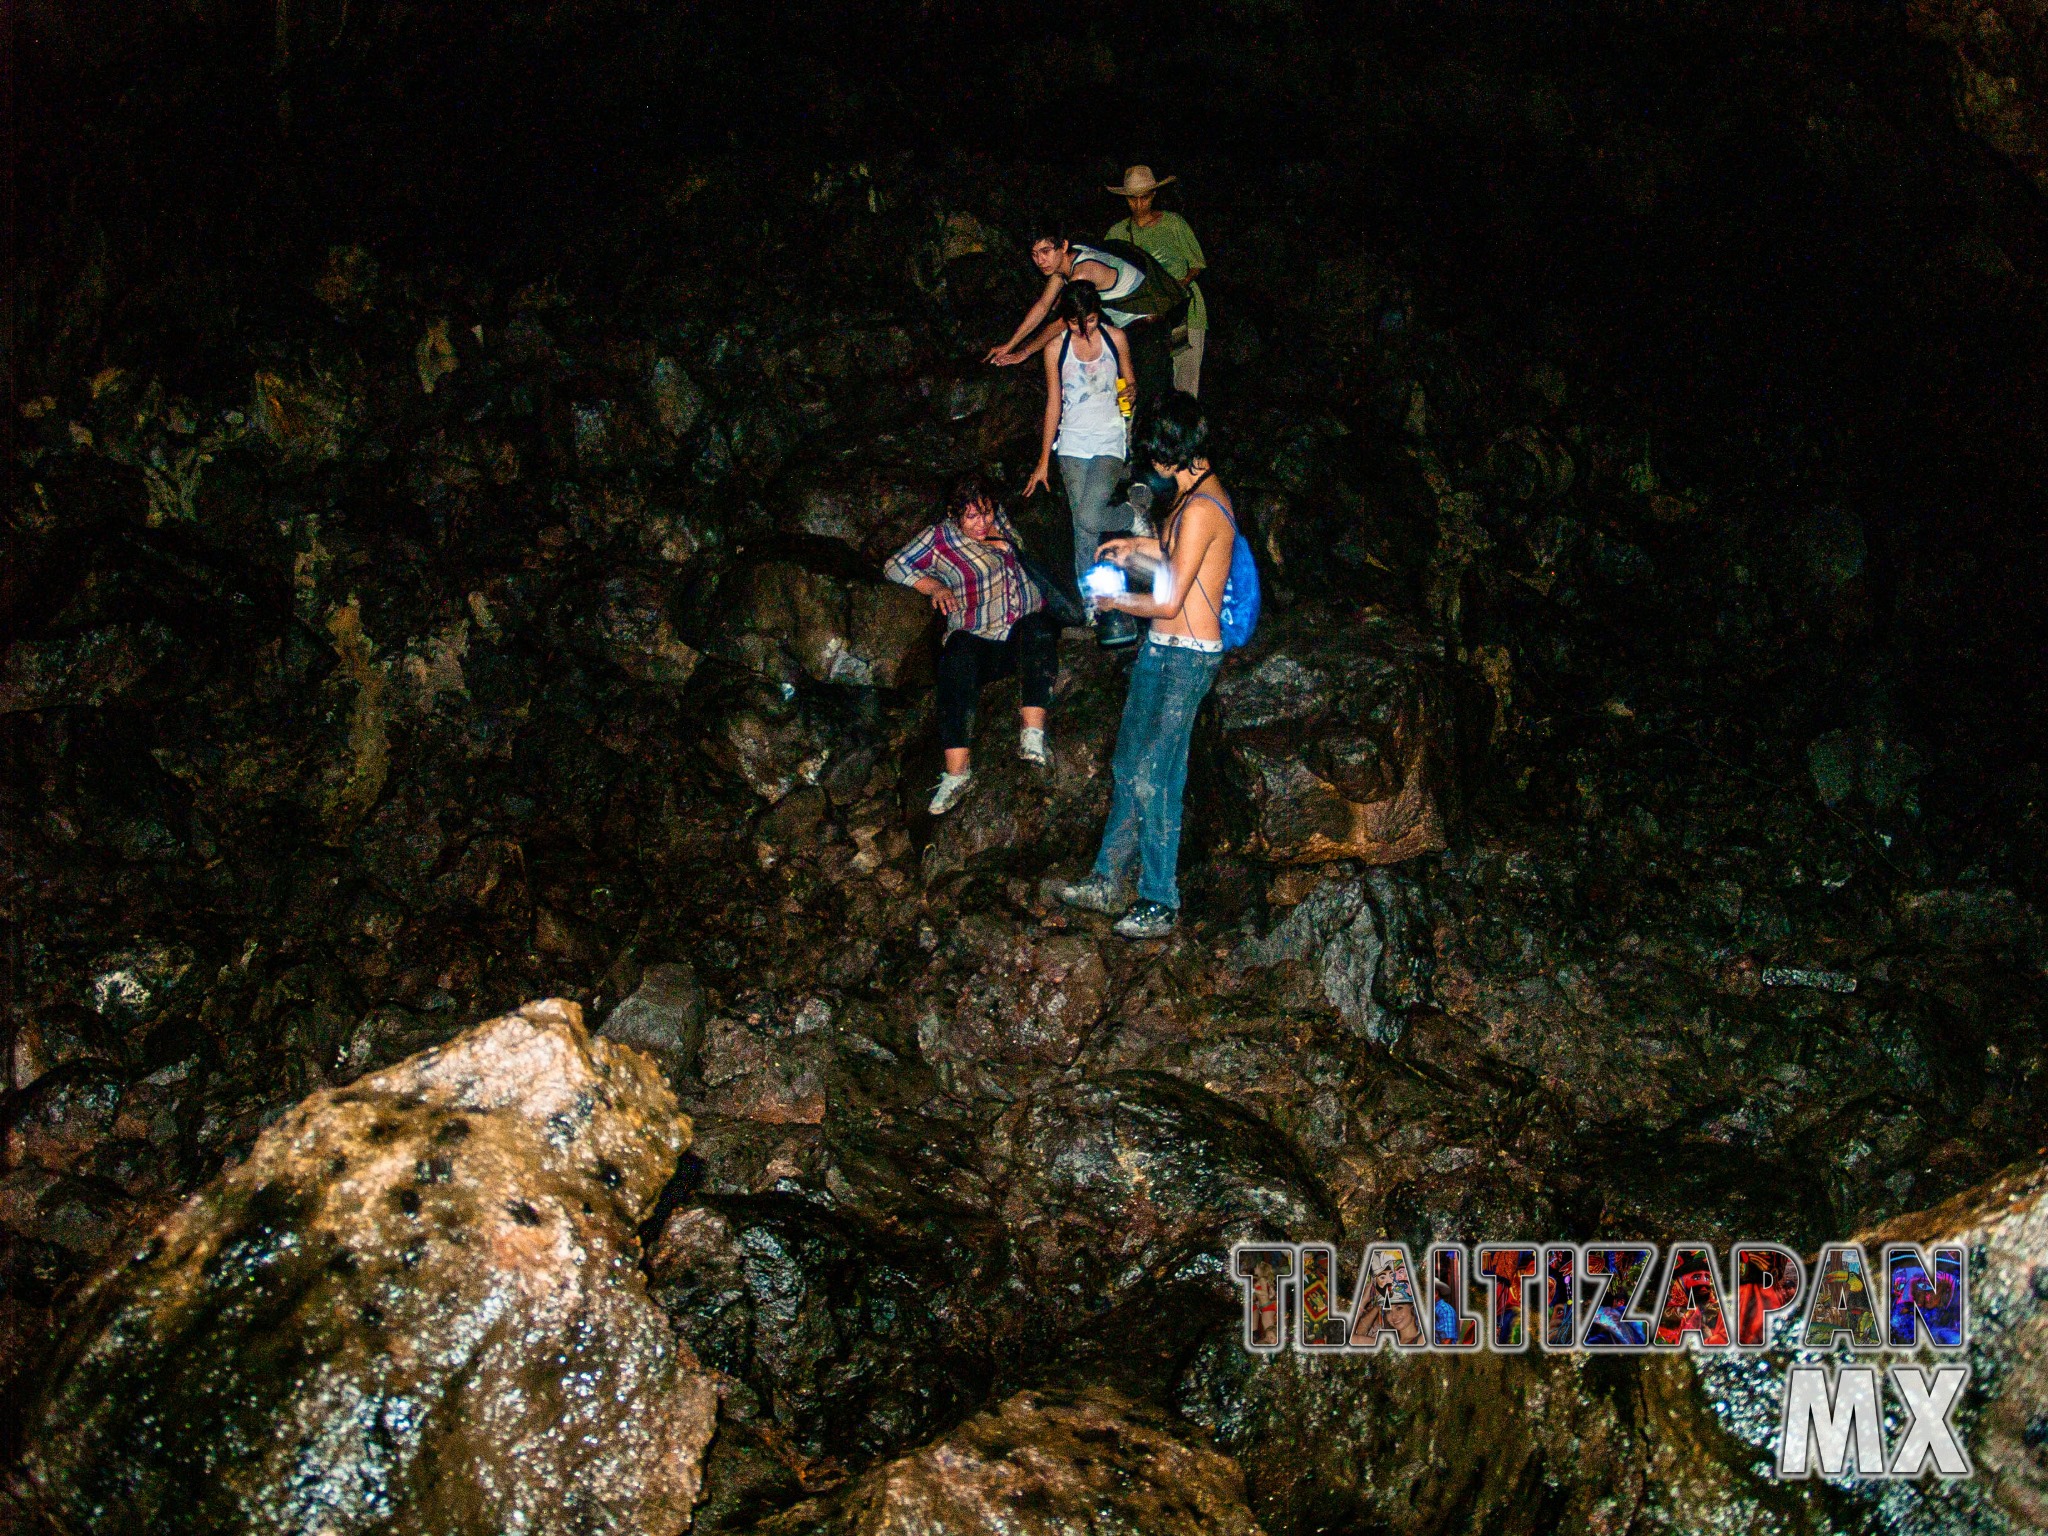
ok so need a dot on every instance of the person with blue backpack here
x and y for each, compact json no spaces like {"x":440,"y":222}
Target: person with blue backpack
{"x":1204,"y":601}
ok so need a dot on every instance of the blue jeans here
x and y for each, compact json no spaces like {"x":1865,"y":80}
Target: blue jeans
{"x":1168,"y":684}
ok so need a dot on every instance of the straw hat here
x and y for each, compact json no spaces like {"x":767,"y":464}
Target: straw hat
{"x":1138,"y":181}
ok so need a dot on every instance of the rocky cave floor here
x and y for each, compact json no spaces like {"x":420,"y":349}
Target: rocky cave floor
{"x":398,"y":642}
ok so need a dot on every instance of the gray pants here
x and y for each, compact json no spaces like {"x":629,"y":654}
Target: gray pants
{"x":1090,"y":483}
{"x":1187,"y":360}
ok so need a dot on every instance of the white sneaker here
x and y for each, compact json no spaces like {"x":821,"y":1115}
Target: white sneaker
{"x":1031,"y":746}
{"x":951,"y":787}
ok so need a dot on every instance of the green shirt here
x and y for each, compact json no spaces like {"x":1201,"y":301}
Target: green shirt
{"x":1169,"y":238}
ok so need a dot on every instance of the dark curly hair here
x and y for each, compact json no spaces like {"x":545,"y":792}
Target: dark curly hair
{"x":966,"y":490}
{"x":1174,"y":432}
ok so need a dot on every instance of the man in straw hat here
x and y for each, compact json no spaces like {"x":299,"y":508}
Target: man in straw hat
{"x":1167,"y":237}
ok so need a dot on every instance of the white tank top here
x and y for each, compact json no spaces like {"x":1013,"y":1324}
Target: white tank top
{"x":1128,"y":277}
{"x":1091,"y":427}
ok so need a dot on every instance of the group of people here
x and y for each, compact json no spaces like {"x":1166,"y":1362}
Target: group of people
{"x":1105,"y":309}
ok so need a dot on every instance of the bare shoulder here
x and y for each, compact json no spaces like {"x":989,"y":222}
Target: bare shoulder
{"x":1207,"y":516}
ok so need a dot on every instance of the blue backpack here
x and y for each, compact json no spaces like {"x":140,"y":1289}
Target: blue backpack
{"x":1238,"y":615}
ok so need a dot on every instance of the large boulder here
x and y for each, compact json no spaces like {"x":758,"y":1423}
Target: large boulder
{"x":664,"y":1017}
{"x":1042,"y":1464}
{"x":1033,"y":1002}
{"x":1340,"y":737}
{"x":417,"y":1306}
{"x":856,"y":1343}
{"x":1999,"y":71}
{"x":786,"y":622}
{"x":2002,"y":1225}
{"x":1135,"y":1179}
{"x":1520,"y":1444}
{"x":873,"y":513}
{"x":1363,"y":944}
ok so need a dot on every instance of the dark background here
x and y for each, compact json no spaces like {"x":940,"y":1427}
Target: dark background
{"x":1759,"y":227}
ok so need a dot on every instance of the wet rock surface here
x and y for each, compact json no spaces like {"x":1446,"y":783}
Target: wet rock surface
{"x":416,"y":1304}
{"x":1044,"y":1464}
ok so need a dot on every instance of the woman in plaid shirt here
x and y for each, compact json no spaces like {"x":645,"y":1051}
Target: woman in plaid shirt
{"x":996,"y":626}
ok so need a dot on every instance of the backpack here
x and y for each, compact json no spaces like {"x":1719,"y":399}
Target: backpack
{"x":1160,"y":296}
{"x":1237,"y":617}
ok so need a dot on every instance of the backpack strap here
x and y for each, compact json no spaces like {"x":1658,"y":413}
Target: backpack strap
{"x":1205,"y":496}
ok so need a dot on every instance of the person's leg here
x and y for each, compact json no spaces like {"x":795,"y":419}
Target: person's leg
{"x":959,"y":690}
{"x":1090,"y":483}
{"x":1037,"y":642}
{"x":1151,"y":358}
{"x":1187,"y":362}
{"x":1038,"y":664}
{"x":1162,"y":776}
{"x":1141,"y":711}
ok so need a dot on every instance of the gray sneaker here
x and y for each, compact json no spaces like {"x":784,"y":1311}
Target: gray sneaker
{"x":951,"y":787}
{"x":1147,"y":920}
{"x":1093,"y":894}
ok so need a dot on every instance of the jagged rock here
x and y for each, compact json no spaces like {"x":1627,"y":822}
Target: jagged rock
{"x":634,"y":630}
{"x":1998,"y":74}
{"x":677,"y":401}
{"x":796,"y":824}
{"x":54,"y":1035}
{"x":132,"y":987}
{"x":768,"y":1068}
{"x":1340,"y":738}
{"x":784,"y":622}
{"x":2002,"y":1225}
{"x":475,"y":1204}
{"x":1043,"y":1463}
{"x":855,"y":1342}
{"x":1131,"y":1178}
{"x":664,"y":1017}
{"x":873,"y":514}
{"x":1354,"y":932}
{"x":1521,"y":1444}
{"x":773,"y":747}
{"x":89,"y":669}
{"x":309,"y":418}
{"x":1981,"y":917}
{"x":65,"y":1119}
{"x":1032,"y":1002}
{"x":82,"y":1216}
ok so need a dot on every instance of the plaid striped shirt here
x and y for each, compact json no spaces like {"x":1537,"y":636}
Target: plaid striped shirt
{"x":993,"y":589}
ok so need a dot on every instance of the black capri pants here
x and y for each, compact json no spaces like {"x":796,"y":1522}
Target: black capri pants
{"x":967,"y":662}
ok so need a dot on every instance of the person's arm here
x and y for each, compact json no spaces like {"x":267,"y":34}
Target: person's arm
{"x":1188,"y":553}
{"x":910,"y":567}
{"x":910,"y":562}
{"x":1007,"y":352}
{"x":1118,"y":550}
{"x":1042,"y":475}
{"x":1122,"y":344}
{"x":1192,"y":253}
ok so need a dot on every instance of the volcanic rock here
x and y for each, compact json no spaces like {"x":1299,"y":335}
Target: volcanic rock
{"x":415,"y":1306}
{"x":1340,"y":739}
{"x":1042,"y":1464}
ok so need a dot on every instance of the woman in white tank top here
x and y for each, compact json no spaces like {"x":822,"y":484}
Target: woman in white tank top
{"x":1085,"y":424}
